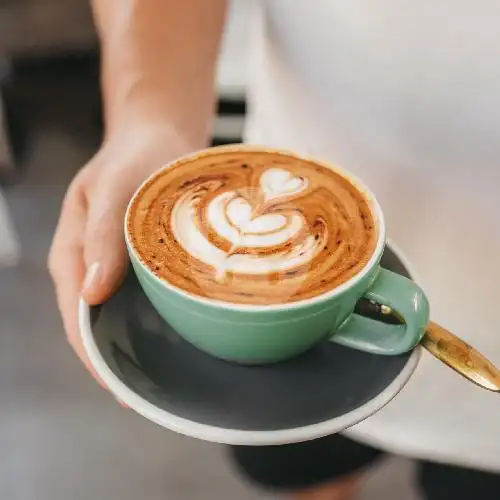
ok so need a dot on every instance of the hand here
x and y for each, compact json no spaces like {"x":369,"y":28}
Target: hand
{"x":88,"y":255}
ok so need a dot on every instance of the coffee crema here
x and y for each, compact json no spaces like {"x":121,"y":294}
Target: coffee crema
{"x":252,"y":227}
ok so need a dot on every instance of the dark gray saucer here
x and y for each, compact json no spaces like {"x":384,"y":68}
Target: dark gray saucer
{"x":146,"y":365}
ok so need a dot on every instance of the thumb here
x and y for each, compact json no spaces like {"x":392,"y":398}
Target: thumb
{"x":105,"y":252}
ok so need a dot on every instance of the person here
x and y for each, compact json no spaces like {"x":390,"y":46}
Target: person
{"x":404,"y":96}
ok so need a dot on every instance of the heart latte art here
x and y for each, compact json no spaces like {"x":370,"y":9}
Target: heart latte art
{"x":252,"y":227}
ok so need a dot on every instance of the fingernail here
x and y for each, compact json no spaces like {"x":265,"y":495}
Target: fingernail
{"x":91,"y":277}
{"x":122,"y":404}
{"x":101,"y":383}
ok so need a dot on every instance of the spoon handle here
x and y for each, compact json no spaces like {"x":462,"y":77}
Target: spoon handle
{"x":461,"y":357}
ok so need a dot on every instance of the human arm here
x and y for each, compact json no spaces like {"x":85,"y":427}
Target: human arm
{"x":158,"y":67}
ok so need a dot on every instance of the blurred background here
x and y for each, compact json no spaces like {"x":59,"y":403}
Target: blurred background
{"x":61,"y":436}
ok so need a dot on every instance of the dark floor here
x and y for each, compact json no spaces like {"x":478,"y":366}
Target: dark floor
{"x":61,"y":436}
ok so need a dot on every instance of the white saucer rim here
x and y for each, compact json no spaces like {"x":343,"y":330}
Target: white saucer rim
{"x":240,"y":437}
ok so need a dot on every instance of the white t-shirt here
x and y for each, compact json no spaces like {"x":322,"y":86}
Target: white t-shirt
{"x":406,"y":95}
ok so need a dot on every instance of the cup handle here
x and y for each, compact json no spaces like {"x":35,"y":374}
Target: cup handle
{"x":406,"y":299}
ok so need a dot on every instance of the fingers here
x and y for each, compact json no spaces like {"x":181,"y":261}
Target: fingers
{"x":105,"y":253}
{"x":67,"y":268}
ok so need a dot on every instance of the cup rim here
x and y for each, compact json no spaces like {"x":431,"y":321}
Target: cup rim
{"x":233,"y":306}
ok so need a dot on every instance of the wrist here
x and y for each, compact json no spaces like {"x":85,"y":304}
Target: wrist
{"x":144,"y":129}
{"x":145,"y":103}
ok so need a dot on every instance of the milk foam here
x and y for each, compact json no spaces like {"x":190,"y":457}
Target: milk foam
{"x":233,"y":218}
{"x":278,"y":182}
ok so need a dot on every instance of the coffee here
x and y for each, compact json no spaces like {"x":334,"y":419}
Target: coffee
{"x":252,"y":227}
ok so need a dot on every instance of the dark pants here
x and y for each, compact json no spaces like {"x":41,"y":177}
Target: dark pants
{"x":299,"y":466}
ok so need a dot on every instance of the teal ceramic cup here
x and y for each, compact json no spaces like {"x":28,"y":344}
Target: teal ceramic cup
{"x":256,"y":334}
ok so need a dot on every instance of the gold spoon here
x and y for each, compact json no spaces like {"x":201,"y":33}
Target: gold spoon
{"x":461,"y":357}
{"x":452,"y":351}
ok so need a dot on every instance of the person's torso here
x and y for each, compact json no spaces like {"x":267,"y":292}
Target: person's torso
{"x":407,"y":97}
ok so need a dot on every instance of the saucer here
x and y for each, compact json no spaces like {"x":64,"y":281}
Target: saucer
{"x":151,"y":369}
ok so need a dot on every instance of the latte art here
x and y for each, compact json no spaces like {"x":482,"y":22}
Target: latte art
{"x":252,"y":227}
{"x":259,"y":239}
